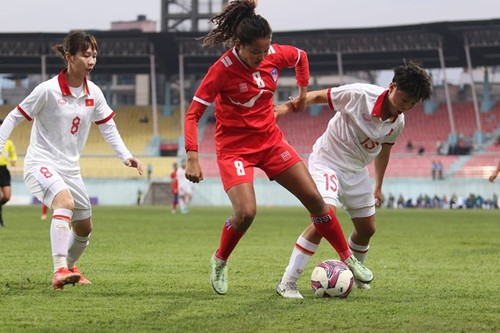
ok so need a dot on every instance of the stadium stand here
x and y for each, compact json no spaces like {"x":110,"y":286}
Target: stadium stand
{"x":98,"y":160}
{"x":102,"y":167}
{"x":478,"y":166}
{"x":422,"y":129}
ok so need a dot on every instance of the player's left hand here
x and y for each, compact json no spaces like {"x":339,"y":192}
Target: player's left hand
{"x":135,"y":163}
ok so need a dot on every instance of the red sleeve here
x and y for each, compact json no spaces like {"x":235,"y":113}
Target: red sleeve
{"x":203,"y":97}
{"x":193,"y":115}
{"x":302,"y":69}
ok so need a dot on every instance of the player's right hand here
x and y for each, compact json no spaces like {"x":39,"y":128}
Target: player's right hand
{"x":193,"y":169}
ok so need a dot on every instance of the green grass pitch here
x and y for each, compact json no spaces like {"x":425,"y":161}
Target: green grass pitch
{"x":435,"y":271}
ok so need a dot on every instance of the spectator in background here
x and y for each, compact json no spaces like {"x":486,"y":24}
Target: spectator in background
{"x":409,"y":146}
{"x":401,"y":201}
{"x":421,"y":150}
{"x":439,"y":170}
{"x":174,"y":188}
{"x":494,"y":201}
{"x":139,"y":197}
{"x":434,"y":169}
{"x":150,"y":170}
{"x":390,"y":202}
{"x":8,"y":156}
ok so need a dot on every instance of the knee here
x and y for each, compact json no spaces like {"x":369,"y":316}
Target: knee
{"x":4,"y":199}
{"x":366,"y":231}
{"x":315,"y":204}
{"x":65,"y":202}
{"x":243,"y":218}
{"x":82,"y":228}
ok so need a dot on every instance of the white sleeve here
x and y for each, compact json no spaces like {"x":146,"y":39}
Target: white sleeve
{"x":110,"y":134}
{"x":13,"y":119}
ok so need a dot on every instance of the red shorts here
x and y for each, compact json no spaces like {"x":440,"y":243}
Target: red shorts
{"x":238,"y":168}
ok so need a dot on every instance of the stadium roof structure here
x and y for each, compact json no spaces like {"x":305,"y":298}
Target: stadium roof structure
{"x":433,"y":45}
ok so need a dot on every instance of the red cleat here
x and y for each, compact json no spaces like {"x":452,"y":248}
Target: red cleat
{"x":83,"y":279}
{"x":64,"y":276}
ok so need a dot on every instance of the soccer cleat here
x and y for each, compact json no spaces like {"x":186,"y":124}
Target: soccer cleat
{"x":359,"y":271}
{"x":288,"y":290}
{"x":64,"y":276}
{"x":218,"y":275}
{"x":83,"y":279}
{"x":362,"y":285}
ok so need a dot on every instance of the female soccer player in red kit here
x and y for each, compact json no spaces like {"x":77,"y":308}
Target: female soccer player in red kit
{"x":242,"y":83}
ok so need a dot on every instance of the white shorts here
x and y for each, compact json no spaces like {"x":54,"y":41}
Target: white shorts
{"x":353,"y":190}
{"x":45,"y":182}
{"x":185,"y":189}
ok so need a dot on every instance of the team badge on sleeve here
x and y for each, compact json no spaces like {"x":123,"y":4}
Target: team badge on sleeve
{"x":274,"y":74}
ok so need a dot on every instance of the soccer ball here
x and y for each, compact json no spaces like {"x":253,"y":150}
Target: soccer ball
{"x":332,"y":278}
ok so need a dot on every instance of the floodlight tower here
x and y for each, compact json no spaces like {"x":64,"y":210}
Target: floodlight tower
{"x":189,"y":15}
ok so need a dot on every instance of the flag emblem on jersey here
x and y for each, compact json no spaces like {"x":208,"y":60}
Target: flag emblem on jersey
{"x":286,"y":155}
{"x":274,"y":74}
{"x":243,"y":87}
{"x":89,"y":102}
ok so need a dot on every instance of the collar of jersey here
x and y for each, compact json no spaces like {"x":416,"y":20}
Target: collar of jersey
{"x":377,"y":108}
{"x":63,"y":84}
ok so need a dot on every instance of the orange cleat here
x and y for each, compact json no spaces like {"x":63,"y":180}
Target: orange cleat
{"x":64,"y":276}
{"x":83,"y":279}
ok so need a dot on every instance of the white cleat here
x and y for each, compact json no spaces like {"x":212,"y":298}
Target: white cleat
{"x":288,"y":290}
{"x":362,"y":285}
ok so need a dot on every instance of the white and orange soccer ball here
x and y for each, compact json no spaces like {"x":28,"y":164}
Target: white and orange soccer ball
{"x":332,"y":278}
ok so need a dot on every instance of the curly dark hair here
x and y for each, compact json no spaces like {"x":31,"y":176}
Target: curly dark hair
{"x":238,"y":21}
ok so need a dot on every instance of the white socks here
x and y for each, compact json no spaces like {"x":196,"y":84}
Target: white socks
{"x":359,"y":251}
{"x":59,"y":236}
{"x":301,"y":253}
{"x":77,"y":244}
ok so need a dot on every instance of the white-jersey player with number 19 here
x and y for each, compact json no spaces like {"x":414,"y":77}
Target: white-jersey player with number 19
{"x":367,"y":122}
{"x":62,"y":110}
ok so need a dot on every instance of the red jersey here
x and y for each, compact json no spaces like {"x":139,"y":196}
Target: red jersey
{"x":175,"y":183}
{"x":244,"y":99}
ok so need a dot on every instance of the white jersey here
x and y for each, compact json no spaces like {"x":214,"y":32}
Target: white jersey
{"x":185,"y":186}
{"x":62,"y":122}
{"x":354,"y":136}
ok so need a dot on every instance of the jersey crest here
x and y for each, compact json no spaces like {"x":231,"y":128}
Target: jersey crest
{"x":274,"y":74}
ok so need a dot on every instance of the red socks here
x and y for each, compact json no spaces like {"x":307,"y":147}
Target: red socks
{"x":228,"y":240}
{"x":329,"y":227}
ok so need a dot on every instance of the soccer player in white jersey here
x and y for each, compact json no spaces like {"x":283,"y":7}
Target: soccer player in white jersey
{"x":242,"y":84}
{"x":62,"y":110}
{"x":367,"y":121}
{"x":185,"y":188}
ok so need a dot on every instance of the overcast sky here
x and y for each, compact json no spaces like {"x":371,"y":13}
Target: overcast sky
{"x":62,"y":16}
